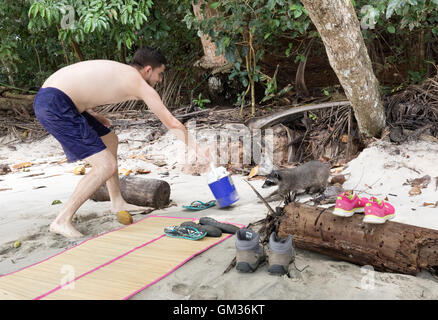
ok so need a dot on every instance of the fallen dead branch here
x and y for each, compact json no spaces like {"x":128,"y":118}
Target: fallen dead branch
{"x":415,"y":108}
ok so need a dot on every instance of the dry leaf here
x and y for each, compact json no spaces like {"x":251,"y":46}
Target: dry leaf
{"x":415,"y":191}
{"x":142,"y":171}
{"x":433,"y":205}
{"x":422,"y":182}
{"x":338,"y":179}
{"x":4,"y":169}
{"x":125,"y":172}
{"x":34,"y":175}
{"x":140,"y":157}
{"x":254,"y":172}
{"x":159,"y":163}
{"x":53,"y":175}
{"x":22,"y":165}
{"x":337,"y":170}
{"x":344,"y":138}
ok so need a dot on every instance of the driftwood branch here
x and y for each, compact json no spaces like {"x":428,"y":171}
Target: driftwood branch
{"x":268,"y":121}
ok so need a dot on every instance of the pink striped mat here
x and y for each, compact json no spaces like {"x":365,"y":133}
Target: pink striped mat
{"x":112,"y":266}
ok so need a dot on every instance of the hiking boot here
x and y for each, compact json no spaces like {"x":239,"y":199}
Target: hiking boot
{"x":378,"y":211}
{"x":348,"y":204}
{"x":225,"y":227}
{"x":210,"y":230}
{"x":249,"y":252}
{"x":281,"y":254}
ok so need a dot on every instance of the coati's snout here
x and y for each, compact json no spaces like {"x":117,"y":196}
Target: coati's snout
{"x":271,"y":180}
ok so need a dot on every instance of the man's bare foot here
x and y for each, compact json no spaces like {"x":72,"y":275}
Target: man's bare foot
{"x":131,"y":208}
{"x":65,"y":229}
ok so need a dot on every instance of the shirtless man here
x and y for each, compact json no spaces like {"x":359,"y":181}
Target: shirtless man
{"x":64,"y":106}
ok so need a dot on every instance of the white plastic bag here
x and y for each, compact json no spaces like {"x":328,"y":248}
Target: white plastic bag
{"x":216,"y":174}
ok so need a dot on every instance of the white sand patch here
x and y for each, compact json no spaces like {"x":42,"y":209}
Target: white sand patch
{"x":25,"y":214}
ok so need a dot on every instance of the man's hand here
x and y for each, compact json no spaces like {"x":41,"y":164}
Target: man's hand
{"x":200,"y":162}
{"x":203,"y":155}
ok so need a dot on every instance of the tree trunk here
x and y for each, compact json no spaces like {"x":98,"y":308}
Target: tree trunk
{"x":123,"y":54}
{"x":392,"y":246}
{"x":77,"y":50}
{"x":142,"y":192}
{"x":339,"y":28}
{"x":209,"y":60}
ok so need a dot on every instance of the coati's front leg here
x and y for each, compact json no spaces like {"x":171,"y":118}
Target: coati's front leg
{"x":273,"y":196}
{"x":314,"y":189}
{"x":289,"y":197}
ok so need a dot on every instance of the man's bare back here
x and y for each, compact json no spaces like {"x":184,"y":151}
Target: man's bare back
{"x":97,"y":82}
{"x":89,"y":84}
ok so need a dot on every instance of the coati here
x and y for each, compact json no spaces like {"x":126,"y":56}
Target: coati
{"x":311,"y":176}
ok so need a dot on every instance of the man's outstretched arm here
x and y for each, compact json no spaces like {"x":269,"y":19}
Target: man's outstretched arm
{"x":155,"y":104}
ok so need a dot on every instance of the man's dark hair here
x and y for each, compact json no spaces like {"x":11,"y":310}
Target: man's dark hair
{"x":148,"y":56}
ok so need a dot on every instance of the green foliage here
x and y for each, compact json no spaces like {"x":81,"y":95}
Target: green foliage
{"x":201,"y":102}
{"x":10,"y":38}
{"x":37,"y":37}
{"x":407,"y":28}
{"x":116,"y":20}
{"x":408,"y":14}
{"x":416,"y":76}
{"x":242,"y":30}
{"x":312,"y":116}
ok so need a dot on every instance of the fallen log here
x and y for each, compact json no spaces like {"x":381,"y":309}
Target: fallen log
{"x":139,"y":191}
{"x":389,"y":247}
{"x":10,"y":95}
{"x":16,"y":104}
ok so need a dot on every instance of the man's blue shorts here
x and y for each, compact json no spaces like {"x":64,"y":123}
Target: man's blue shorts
{"x":78,"y":133}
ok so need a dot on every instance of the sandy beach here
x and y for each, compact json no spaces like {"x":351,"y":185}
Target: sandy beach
{"x":380,"y":170}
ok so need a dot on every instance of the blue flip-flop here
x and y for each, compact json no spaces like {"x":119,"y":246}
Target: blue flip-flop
{"x":184,"y":232}
{"x":199,"y":205}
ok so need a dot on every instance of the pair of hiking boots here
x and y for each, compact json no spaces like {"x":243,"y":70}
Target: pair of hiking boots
{"x":250,"y":253}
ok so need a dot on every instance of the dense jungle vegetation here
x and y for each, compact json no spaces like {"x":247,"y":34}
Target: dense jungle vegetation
{"x":37,"y":37}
